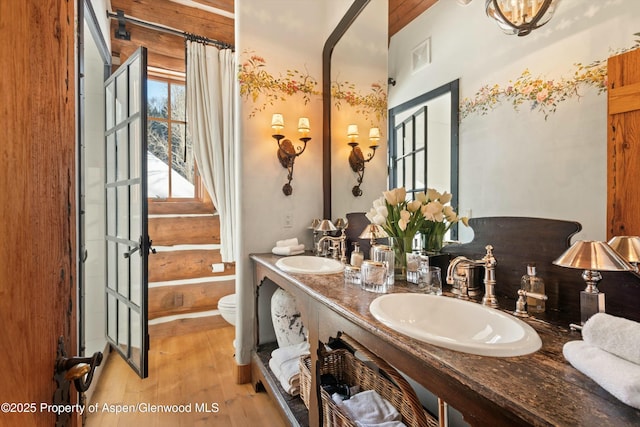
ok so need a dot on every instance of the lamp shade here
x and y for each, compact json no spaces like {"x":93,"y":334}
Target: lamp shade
{"x":373,"y":231}
{"x":592,"y":255}
{"x":627,"y":246}
{"x":314,"y":224}
{"x":303,"y":124}
{"x":277,"y":122}
{"x":326,"y":225}
{"x":341,"y":223}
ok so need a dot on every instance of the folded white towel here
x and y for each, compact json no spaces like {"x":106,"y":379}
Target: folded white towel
{"x":289,"y":378}
{"x":290,"y":372}
{"x":284,"y":354}
{"x":368,"y":408}
{"x":618,"y":376}
{"x":287,"y":242}
{"x":288,"y":250}
{"x":616,"y":335}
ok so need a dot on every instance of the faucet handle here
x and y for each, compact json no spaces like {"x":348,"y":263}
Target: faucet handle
{"x":521,"y":303}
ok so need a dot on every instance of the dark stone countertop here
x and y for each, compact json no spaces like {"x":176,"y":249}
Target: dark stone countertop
{"x":540,"y":389}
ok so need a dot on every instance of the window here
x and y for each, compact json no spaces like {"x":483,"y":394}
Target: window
{"x":171,"y":170}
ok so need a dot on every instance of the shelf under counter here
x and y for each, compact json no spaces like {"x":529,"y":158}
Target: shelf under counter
{"x":292,"y":408}
{"x":537,"y":389}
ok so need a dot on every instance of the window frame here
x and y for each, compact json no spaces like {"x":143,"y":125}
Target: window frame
{"x":174,"y":78}
{"x":453,"y":89}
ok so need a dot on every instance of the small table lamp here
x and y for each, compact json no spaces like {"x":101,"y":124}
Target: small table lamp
{"x":373,"y":232}
{"x":628,"y":247}
{"x":592,"y":257}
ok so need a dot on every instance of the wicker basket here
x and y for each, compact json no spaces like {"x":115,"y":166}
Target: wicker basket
{"x":348,"y":369}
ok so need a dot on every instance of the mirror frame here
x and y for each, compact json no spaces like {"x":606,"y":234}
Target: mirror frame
{"x":352,"y":13}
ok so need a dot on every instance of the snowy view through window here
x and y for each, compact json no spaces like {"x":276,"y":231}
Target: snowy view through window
{"x":170,"y":164}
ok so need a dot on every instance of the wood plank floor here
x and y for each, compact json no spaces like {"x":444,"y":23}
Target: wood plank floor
{"x":196,"y":370}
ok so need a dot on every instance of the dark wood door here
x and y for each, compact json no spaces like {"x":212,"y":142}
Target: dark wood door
{"x":37,"y":208}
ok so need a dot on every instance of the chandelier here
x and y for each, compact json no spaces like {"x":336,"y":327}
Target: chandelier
{"x":520,"y":17}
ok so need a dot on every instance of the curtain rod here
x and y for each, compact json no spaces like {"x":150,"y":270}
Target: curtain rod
{"x":120,"y":16}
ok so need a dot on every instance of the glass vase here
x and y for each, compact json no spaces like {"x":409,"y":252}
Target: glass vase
{"x":401,"y":247}
{"x":432,"y":236}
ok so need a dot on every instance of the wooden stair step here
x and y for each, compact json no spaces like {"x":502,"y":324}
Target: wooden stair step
{"x":166,"y":266}
{"x":184,"y":230}
{"x":180,"y":208}
{"x":188,"y":298}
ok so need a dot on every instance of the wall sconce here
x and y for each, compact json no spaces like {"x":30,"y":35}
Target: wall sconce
{"x":356,"y":158}
{"x":521,"y":17}
{"x":287,"y":153}
{"x":592,"y":257}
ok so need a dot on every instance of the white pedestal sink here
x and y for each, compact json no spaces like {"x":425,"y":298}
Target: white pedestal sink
{"x":456,"y":324}
{"x":305,"y":264}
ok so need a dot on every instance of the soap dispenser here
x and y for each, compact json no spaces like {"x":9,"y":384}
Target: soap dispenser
{"x":356,"y":256}
{"x":530,"y":282}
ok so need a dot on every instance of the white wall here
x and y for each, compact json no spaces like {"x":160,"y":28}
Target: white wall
{"x":516,"y":162}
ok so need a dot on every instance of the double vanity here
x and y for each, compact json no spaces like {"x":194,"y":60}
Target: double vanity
{"x":491,"y":366}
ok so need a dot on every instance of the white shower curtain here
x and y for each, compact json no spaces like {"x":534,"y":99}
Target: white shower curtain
{"x":210,"y":111}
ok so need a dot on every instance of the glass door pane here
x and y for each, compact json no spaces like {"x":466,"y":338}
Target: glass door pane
{"x":125,"y":188}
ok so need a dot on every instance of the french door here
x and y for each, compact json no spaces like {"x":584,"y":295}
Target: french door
{"x":127,"y":240}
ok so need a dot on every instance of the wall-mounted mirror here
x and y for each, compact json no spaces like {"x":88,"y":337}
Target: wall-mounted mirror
{"x":355,"y":58}
{"x":355,"y":74}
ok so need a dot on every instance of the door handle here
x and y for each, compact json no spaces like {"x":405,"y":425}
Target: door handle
{"x":75,"y":369}
{"x":132,"y":251}
{"x":151,"y":248}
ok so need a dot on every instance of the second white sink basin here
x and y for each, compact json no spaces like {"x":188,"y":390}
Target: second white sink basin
{"x":456,"y":324}
{"x":305,"y":264}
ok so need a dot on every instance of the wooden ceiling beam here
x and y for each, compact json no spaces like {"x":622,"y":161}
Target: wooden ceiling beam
{"x":179,"y":17}
{"x":156,"y":41}
{"x":401,"y":12}
{"x":154,"y":59}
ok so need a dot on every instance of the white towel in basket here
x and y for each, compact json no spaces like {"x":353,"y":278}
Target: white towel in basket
{"x":369,"y":409}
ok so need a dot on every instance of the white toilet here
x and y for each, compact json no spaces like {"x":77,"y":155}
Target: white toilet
{"x":227,"y":308}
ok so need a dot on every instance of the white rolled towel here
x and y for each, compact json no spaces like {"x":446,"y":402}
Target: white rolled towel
{"x":287,"y":242}
{"x":618,"y":376}
{"x":616,"y":335}
{"x":288,"y":250}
